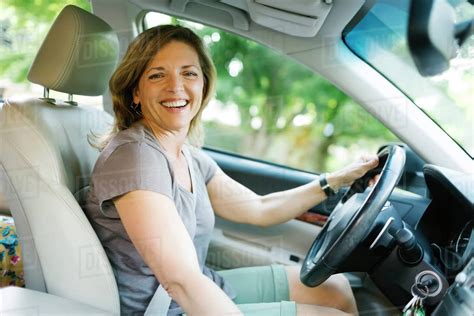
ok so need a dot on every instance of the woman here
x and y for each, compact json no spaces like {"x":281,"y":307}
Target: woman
{"x":153,"y":196}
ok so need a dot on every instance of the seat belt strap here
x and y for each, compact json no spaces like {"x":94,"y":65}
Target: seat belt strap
{"x":159,"y":304}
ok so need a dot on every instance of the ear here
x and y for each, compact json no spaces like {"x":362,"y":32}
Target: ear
{"x":136,"y":98}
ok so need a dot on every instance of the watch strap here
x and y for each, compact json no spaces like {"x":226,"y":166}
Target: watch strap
{"x":323,"y":182}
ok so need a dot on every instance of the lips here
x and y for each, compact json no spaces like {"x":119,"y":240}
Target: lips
{"x":175,"y":103}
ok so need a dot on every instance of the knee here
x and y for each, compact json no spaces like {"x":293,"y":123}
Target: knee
{"x":344,"y":298}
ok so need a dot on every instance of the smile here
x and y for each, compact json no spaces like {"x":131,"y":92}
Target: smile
{"x":175,"y":104}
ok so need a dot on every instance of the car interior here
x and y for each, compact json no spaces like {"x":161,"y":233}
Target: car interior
{"x":415,"y":227}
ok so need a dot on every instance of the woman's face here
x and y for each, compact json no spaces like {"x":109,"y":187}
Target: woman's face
{"x":170,"y":89}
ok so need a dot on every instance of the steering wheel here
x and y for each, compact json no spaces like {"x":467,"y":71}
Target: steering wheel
{"x":351,"y":219}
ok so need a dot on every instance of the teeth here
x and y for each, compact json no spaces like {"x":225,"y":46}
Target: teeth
{"x":175,"y":104}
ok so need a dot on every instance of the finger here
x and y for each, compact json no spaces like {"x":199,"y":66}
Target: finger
{"x":372,"y":161}
{"x":374,"y":180}
{"x":365,"y":158}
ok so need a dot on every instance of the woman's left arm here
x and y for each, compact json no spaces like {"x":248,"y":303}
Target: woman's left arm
{"x":235,"y":202}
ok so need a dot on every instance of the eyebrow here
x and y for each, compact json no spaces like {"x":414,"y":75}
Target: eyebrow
{"x":162,"y":68}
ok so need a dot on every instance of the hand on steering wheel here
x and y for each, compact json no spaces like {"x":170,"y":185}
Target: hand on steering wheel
{"x":352,"y":217}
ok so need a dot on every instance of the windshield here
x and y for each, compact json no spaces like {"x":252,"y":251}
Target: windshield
{"x":380,"y":39}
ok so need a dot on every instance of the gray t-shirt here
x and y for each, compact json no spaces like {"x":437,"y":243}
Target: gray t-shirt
{"x":133,"y":160}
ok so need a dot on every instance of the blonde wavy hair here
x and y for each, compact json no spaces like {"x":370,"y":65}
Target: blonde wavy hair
{"x":127,"y":75}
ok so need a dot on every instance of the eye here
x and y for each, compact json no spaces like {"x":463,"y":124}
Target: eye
{"x":155,"y":76}
{"x":190,"y":74}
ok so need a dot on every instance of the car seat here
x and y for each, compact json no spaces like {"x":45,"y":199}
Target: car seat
{"x":46,"y":161}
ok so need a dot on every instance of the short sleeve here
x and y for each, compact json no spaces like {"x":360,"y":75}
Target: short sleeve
{"x":130,"y":167}
{"x":207,"y":166}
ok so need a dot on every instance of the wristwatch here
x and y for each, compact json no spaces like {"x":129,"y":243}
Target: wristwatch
{"x":323,"y":182}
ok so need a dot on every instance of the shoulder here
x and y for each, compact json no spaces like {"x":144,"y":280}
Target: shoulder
{"x":136,"y":133}
{"x":131,"y":148}
{"x":204,"y":163}
{"x":129,"y":163}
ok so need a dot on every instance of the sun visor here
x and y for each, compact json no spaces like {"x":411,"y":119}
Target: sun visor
{"x":301,"y":18}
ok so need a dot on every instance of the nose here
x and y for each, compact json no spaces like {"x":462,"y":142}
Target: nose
{"x":174,"y":83}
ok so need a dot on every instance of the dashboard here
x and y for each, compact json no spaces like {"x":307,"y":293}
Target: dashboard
{"x":448,"y":222}
{"x":442,"y":226}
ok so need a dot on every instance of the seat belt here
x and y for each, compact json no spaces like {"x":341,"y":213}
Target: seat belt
{"x":159,"y":304}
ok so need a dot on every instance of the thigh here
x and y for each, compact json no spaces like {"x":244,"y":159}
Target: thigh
{"x":265,"y":284}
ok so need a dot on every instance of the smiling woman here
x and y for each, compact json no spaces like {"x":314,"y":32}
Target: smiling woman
{"x":153,"y":196}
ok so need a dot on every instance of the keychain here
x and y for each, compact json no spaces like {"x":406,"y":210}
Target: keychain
{"x":415,"y":305}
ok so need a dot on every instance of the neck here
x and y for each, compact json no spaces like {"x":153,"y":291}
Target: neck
{"x":171,"y":141}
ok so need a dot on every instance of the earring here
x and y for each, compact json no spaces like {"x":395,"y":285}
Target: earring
{"x":136,"y":108}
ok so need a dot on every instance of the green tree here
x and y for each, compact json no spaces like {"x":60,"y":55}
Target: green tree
{"x":273,"y":90}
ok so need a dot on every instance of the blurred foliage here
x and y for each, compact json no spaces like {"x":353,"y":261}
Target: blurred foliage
{"x":275,"y":89}
{"x":40,"y":11}
{"x":23,"y":26}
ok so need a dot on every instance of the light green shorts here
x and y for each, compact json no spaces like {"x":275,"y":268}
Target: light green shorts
{"x":261,"y":291}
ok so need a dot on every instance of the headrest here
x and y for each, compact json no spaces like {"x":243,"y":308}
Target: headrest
{"x":78,"y":55}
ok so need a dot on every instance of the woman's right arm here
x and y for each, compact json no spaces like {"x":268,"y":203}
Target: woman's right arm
{"x":156,"y":230}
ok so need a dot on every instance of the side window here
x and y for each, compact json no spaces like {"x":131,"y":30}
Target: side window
{"x":270,"y":107}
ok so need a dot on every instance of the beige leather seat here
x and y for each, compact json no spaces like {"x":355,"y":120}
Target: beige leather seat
{"x":46,"y":160}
